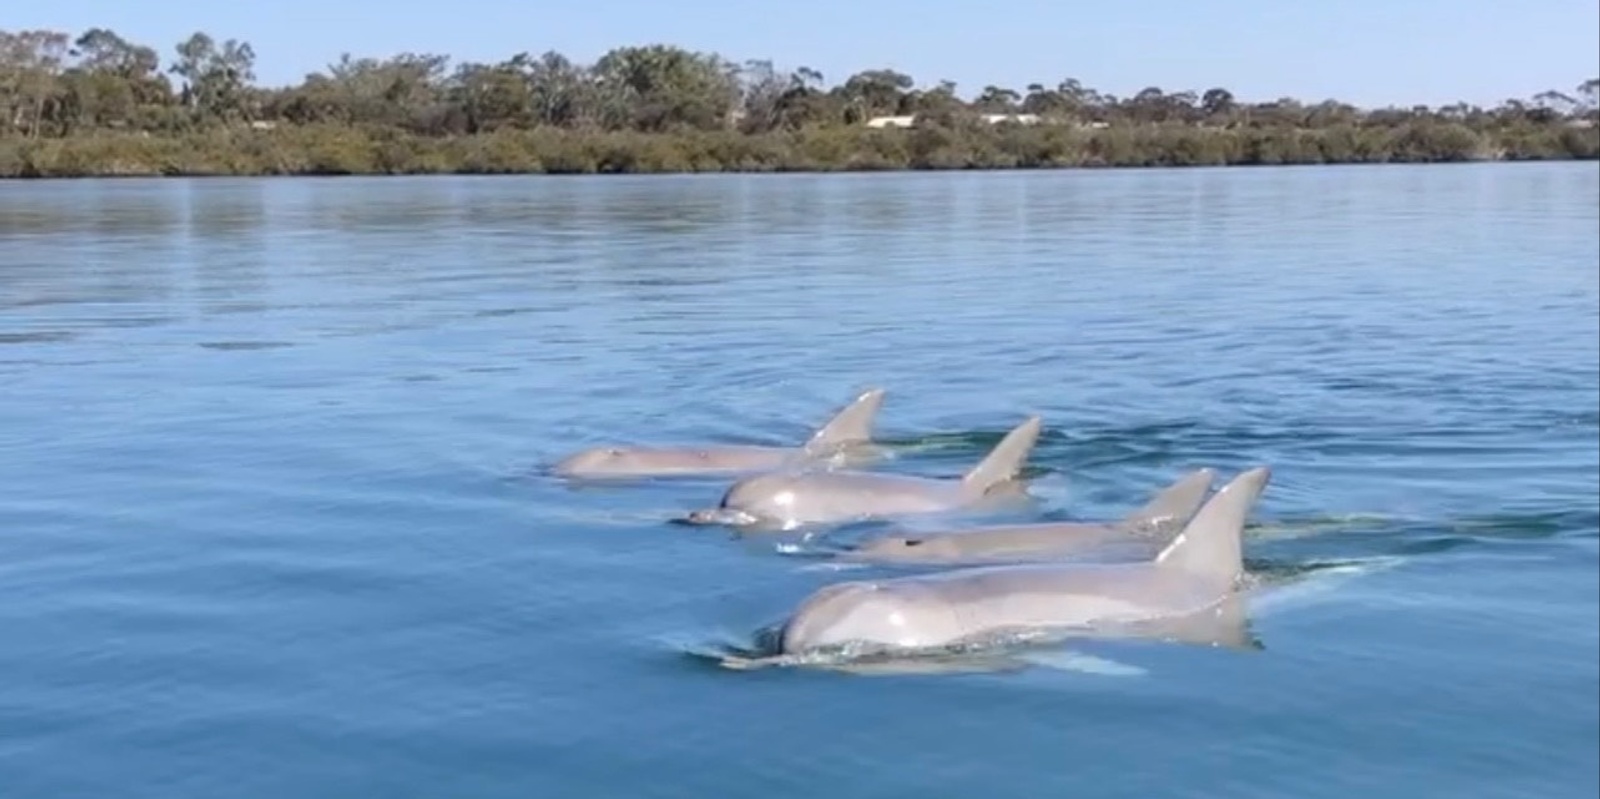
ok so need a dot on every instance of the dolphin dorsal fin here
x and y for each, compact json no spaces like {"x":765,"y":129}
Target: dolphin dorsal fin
{"x":1173,"y":506}
{"x":1005,"y":461}
{"x":1211,"y":546}
{"x":851,"y":425}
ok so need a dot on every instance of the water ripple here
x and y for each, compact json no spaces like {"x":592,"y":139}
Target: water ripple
{"x":274,"y":522}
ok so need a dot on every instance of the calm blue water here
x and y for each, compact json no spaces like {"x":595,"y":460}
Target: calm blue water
{"x":272,"y":521}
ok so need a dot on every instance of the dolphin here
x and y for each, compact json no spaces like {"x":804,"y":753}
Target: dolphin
{"x":788,"y":499}
{"x":1159,"y":519}
{"x":845,"y":438}
{"x":1190,"y":591}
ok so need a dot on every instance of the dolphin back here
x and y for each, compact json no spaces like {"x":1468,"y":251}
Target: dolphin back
{"x":851,"y":425}
{"x":1007,"y":458}
{"x":1211,"y":547}
{"x":1174,"y":505}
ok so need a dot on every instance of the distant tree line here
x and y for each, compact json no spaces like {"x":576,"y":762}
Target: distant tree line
{"x":98,"y":104}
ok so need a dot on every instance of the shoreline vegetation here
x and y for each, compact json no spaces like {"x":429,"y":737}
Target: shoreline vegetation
{"x":97,"y":105}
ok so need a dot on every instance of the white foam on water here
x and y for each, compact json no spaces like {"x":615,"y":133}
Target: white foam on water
{"x":832,"y":566}
{"x":1068,"y":660}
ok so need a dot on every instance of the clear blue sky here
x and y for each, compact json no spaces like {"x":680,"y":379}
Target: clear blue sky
{"x":1369,"y":52}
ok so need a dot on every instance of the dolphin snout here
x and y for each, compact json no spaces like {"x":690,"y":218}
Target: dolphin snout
{"x":702,"y":516}
{"x":727,"y":516}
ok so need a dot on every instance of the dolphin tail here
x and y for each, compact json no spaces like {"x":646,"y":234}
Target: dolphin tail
{"x":851,"y":425}
{"x":1211,"y":545}
{"x":1174,"y":505}
{"x":1005,"y":461}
